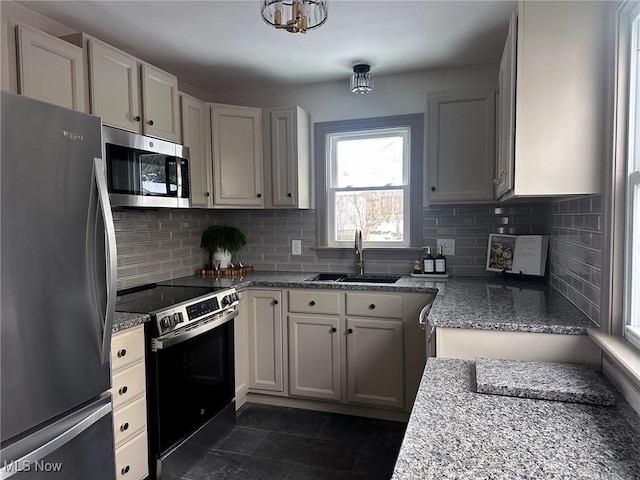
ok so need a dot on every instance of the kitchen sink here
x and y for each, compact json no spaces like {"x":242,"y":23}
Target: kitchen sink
{"x":354,"y":278}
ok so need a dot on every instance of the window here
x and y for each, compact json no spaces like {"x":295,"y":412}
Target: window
{"x":632,"y":204}
{"x":368,"y":177}
{"x":368,"y":188}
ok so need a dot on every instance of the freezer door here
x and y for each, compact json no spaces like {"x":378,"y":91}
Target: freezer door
{"x":79,"y":446}
{"x":54,"y":276}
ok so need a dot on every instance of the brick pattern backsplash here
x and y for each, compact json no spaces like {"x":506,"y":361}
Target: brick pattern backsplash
{"x":158,"y":245}
{"x":575,"y":251}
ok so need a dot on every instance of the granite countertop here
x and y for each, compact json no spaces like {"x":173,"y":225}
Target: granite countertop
{"x":456,"y":433}
{"x":494,"y":303}
{"x":124,"y":320}
{"x":406,"y":283}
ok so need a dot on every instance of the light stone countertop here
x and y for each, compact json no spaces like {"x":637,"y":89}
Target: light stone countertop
{"x":124,"y":320}
{"x":455,"y":433}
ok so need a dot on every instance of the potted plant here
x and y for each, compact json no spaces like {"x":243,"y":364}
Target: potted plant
{"x":221,"y":241}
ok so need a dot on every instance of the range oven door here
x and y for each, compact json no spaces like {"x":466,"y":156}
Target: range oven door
{"x":191,"y":381}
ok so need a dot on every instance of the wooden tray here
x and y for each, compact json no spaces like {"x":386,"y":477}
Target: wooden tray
{"x":225,"y":271}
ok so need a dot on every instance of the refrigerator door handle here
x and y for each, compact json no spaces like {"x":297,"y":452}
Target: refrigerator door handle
{"x":10,"y":467}
{"x":424,"y":313}
{"x":105,"y":206}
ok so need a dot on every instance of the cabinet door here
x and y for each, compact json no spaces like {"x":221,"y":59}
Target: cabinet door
{"x":8,"y":69}
{"x":461,"y":147}
{"x":505,"y":109}
{"x":160,"y":104}
{"x":241,"y":340}
{"x":265,"y":340}
{"x":237,"y":156}
{"x":115,"y":87}
{"x":314,"y":356}
{"x":375,"y":374}
{"x":50,"y":69}
{"x":194,"y":137}
{"x":290,"y":159}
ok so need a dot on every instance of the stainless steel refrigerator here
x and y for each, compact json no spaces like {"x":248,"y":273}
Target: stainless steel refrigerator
{"x":57,"y":295}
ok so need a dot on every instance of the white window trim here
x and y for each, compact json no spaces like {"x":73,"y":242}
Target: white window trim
{"x":405,"y":133}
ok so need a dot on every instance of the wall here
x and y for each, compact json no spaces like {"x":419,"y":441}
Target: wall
{"x":575,"y":251}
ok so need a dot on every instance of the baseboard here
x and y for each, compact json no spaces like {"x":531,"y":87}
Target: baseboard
{"x":356,"y":410}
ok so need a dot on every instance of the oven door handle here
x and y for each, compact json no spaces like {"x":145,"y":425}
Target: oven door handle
{"x":161,"y":343}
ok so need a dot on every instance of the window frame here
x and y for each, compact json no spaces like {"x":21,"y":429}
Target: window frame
{"x":322,"y":130}
{"x":332,"y":188}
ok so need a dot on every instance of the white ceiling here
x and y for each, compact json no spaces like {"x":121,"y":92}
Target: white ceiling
{"x":225,"y":46}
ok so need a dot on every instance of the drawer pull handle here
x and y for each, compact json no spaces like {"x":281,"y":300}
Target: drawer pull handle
{"x":150,"y":122}
{"x":259,"y":195}
{"x":122,"y":353}
{"x":137,"y":118}
{"x":125,"y":469}
{"x":372,"y":306}
{"x":289,"y":195}
{"x":350,"y":330}
{"x":312,"y":303}
{"x":275,"y":302}
{"x":123,"y":390}
{"x":334,"y":329}
{"x":124,"y":427}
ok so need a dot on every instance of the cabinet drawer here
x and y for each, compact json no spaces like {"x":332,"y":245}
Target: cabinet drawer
{"x":127,"y":347}
{"x":314,"y":302}
{"x":129,"y":421}
{"x":132,"y":459}
{"x":127,"y":385}
{"x":374,"y":305}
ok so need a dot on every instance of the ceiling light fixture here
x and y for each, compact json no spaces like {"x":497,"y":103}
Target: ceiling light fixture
{"x":361,"y":80}
{"x":303,"y":15}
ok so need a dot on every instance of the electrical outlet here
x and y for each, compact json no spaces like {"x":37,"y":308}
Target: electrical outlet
{"x":296,"y":247}
{"x":448,"y":246}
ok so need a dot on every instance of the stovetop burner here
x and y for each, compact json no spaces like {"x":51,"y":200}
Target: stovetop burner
{"x":151,"y":298}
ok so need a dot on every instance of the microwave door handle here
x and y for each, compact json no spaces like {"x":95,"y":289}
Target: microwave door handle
{"x":105,"y":207}
{"x":179,"y":176}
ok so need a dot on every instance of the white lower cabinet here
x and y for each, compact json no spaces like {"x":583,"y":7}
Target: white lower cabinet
{"x":265,"y":334}
{"x":314,"y":356}
{"x":241,"y":352}
{"x":374,"y":364}
{"x":129,"y":404}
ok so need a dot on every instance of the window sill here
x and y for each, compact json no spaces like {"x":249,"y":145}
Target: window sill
{"x":369,"y":249}
{"x":625,"y":356}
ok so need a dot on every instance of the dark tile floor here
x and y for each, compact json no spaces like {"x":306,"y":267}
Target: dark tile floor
{"x":279,"y":443}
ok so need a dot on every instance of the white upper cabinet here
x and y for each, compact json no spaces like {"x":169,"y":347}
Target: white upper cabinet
{"x":461,"y":131}
{"x":8,"y":69}
{"x":289,"y":177}
{"x":50,"y":69}
{"x":237,"y":156}
{"x":559,"y":100}
{"x":128,"y":93}
{"x":160,"y":112}
{"x":194,"y":136}
{"x":115,"y":86}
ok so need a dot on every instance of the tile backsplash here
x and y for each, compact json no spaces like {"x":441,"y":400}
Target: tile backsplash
{"x":157,"y":245}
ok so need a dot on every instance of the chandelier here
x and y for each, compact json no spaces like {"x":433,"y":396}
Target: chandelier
{"x":361,"y":80}
{"x":296,"y":16}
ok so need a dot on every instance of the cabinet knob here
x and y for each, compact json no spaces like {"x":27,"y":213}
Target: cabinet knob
{"x":289,"y":195}
{"x":433,"y":189}
{"x":123,"y":390}
{"x":137,"y":118}
{"x":312,"y":303}
{"x":334,"y":329}
{"x":275,"y":302}
{"x":122,"y":353}
{"x":150,"y":122}
{"x":125,"y":469}
{"x":259,"y":195}
{"x":350,"y":330}
{"x":124,"y":427}
{"x":372,"y":306}
{"x":207,"y":194}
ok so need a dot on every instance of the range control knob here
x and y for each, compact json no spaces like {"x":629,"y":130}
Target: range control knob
{"x":227,"y":300}
{"x":166,"y":322}
{"x":177,"y":318}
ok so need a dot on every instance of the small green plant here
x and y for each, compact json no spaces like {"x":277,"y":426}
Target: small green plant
{"x":222,"y":238}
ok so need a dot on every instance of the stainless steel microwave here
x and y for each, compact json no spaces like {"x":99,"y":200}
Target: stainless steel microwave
{"x":144,"y":171}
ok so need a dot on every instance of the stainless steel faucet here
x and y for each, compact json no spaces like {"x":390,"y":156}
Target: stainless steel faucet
{"x":359,"y":251}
